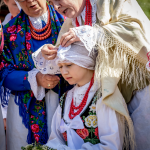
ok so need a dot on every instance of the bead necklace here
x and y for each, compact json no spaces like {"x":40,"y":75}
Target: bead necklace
{"x":44,"y":35}
{"x":73,"y":114}
{"x":88,"y":15}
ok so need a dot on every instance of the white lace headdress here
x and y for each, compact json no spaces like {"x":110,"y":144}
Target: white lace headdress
{"x":77,"y":54}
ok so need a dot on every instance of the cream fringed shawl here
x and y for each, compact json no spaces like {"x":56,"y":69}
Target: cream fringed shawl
{"x":122,"y":58}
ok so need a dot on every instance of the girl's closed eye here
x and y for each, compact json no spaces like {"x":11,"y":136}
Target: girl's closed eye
{"x":60,"y":67}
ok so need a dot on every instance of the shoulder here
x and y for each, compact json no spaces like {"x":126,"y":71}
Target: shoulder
{"x":15,"y":21}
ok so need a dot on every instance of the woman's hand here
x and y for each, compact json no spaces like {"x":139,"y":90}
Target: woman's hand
{"x":68,"y":38}
{"x":49,"y":51}
{"x":47,"y":81}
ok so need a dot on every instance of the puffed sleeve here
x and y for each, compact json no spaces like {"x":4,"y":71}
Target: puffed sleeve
{"x":17,"y":80}
{"x":56,"y":139}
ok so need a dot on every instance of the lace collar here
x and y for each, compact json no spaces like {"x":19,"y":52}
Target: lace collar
{"x":82,"y":15}
{"x":79,"y":92}
{"x":37,"y":21}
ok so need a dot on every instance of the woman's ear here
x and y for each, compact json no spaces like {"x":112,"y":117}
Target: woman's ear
{"x":5,"y":1}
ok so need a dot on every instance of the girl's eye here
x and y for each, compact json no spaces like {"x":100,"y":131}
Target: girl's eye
{"x":69,"y":65}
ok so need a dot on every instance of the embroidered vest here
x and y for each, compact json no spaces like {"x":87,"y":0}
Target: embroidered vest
{"x":89,"y":118}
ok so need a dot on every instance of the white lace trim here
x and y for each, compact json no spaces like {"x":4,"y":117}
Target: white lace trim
{"x":89,"y":35}
{"x":43,"y":65}
{"x":39,"y":91}
{"x":37,"y":21}
{"x":82,"y":15}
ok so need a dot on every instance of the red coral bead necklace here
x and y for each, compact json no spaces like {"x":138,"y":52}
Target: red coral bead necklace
{"x":79,"y":108}
{"x":88,"y":14}
{"x":44,"y":35}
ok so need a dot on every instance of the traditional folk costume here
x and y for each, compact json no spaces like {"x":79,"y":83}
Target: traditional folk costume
{"x":120,"y":31}
{"x":2,"y":133}
{"x":27,"y":119}
{"x":96,"y":126}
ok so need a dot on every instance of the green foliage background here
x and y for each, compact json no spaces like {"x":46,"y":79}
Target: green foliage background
{"x":145,"y":4}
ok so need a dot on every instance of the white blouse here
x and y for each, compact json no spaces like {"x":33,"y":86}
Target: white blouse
{"x":107,"y":122}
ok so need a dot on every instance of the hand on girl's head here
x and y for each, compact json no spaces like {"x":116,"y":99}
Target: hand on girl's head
{"x":68,"y":38}
{"x":49,"y":52}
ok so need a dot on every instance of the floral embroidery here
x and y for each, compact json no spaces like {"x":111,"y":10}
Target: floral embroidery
{"x":13,"y":37}
{"x":37,"y":137}
{"x":96,"y":132}
{"x":83,"y":133}
{"x":65,"y":136}
{"x":89,"y":118}
{"x":35,"y":128}
{"x":93,"y":108}
{"x":28,"y":36}
{"x":91,"y":121}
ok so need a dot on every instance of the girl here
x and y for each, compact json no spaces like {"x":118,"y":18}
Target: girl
{"x":82,"y":121}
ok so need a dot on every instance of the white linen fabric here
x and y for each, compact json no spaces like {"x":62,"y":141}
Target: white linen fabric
{"x":77,"y":54}
{"x":44,"y":66}
{"x":39,"y":91}
{"x":139,"y":108}
{"x":108,"y":128}
{"x":2,"y":133}
{"x":7,"y":19}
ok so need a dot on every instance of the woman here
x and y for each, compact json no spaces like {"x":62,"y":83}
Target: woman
{"x":2,"y":133}
{"x":37,"y":24}
{"x":120,"y":30}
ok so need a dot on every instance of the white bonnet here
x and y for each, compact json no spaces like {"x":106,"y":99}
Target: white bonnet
{"x":77,"y":54}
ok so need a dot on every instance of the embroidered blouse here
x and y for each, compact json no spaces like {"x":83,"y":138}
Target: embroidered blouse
{"x":104,"y":127}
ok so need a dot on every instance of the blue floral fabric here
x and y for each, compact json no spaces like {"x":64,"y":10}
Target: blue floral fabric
{"x":16,"y":61}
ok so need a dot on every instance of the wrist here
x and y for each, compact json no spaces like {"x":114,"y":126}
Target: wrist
{"x":38,"y":77}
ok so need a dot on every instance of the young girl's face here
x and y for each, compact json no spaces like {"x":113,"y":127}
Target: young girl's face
{"x":75,"y":74}
{"x":13,"y":9}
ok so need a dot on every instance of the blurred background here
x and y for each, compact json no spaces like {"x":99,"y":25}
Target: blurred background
{"x":145,"y":4}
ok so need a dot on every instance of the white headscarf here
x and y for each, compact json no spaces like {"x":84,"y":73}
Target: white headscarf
{"x":75,"y":53}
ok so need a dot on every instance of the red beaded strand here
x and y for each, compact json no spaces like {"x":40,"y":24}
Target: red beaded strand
{"x":44,"y":35}
{"x":88,"y":14}
{"x":73,"y":114}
